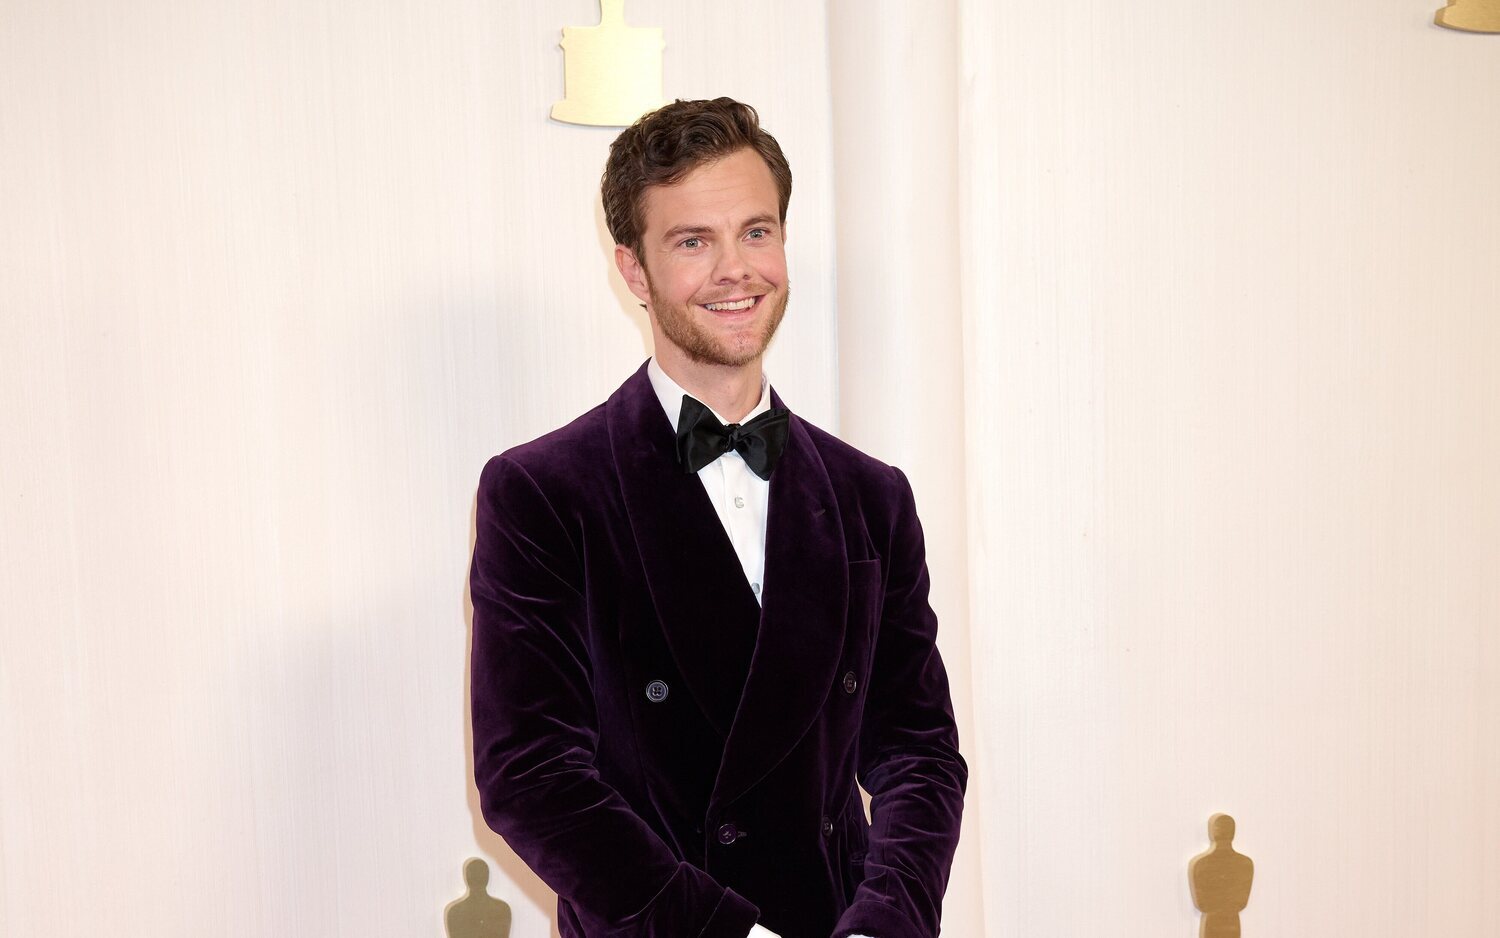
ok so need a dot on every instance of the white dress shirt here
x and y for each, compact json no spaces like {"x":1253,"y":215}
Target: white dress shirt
{"x":740,"y":497}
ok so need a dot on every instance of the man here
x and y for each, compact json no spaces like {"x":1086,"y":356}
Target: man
{"x":699,"y":618}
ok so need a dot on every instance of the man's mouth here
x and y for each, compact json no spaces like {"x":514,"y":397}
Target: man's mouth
{"x":732,"y":306}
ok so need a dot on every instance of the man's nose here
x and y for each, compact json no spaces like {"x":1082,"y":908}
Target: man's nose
{"x":731,"y":266}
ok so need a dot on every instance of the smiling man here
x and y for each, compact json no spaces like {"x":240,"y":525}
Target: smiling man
{"x":699,"y":620}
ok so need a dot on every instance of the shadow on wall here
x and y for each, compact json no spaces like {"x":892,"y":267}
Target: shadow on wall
{"x":626,"y":299}
{"x":507,"y":864}
{"x":504,"y":859}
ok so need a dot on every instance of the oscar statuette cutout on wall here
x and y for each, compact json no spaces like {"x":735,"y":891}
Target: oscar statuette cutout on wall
{"x":611,"y":72}
{"x":1471,"y":16}
{"x":1220,"y":880}
{"x":478,"y":914}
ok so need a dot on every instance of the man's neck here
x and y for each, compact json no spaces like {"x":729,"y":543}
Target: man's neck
{"x":732,"y":391}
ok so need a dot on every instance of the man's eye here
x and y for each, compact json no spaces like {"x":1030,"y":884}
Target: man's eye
{"x":757,"y":233}
{"x":692,"y":244}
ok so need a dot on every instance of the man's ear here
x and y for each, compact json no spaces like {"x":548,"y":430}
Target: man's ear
{"x":634,"y":273}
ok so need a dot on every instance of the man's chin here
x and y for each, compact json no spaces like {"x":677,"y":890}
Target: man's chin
{"x":726,"y":358}
{"x":706,"y":338}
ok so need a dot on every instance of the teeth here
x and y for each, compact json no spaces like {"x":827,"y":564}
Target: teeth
{"x":742,"y":304}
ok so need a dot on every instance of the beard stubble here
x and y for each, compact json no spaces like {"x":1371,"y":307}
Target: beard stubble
{"x":702,"y":346}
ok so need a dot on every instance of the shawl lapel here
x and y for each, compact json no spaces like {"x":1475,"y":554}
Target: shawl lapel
{"x":805,"y":600}
{"x":707,"y":611}
{"x":688,"y":558}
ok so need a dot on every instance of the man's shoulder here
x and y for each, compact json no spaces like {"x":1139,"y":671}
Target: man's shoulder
{"x":850,"y":468}
{"x":575,"y":448}
{"x":578,"y":437}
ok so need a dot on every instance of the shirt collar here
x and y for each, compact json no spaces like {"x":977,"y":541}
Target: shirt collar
{"x":669,"y":393}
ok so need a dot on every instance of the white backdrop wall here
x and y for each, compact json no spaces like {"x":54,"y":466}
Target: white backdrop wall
{"x":901,"y":379}
{"x":1232,"y":315}
{"x":275,"y":280}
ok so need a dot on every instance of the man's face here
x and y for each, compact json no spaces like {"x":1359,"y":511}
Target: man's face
{"x":712,"y":264}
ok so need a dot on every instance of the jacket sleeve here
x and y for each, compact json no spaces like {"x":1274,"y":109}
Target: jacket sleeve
{"x":535,"y":733}
{"x":908,"y":753}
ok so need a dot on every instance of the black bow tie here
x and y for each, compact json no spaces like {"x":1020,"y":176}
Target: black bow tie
{"x":701,"y":438}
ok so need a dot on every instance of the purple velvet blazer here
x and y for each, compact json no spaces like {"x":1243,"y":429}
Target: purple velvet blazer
{"x":674,"y":759}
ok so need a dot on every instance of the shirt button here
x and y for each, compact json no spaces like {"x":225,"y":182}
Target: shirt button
{"x":739,"y":502}
{"x":656,"y":691}
{"x":851,"y":683}
{"x":728,"y":834}
{"x":755,"y":588}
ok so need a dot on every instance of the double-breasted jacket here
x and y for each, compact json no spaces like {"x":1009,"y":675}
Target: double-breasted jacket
{"x":676,"y":759}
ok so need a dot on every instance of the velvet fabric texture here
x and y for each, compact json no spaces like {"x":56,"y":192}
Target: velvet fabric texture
{"x":674,"y":759}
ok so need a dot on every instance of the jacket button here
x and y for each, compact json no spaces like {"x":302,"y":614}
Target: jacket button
{"x":827,"y":827}
{"x":728,"y":834}
{"x":656,"y":691}
{"x":851,"y":683}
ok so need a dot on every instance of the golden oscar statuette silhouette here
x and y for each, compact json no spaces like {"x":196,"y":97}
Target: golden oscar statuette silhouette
{"x":1220,"y":879}
{"x":611,"y":72}
{"x":478,"y":914}
{"x":1471,"y":16}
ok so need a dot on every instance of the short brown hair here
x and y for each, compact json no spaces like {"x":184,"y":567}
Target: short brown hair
{"x":672,"y":141}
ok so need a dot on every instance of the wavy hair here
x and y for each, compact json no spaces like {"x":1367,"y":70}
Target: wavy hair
{"x":668,"y":143}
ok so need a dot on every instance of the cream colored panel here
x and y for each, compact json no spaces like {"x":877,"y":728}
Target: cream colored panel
{"x":275,"y":279}
{"x":612,"y":72}
{"x":896,"y":101}
{"x":1230,"y":300}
